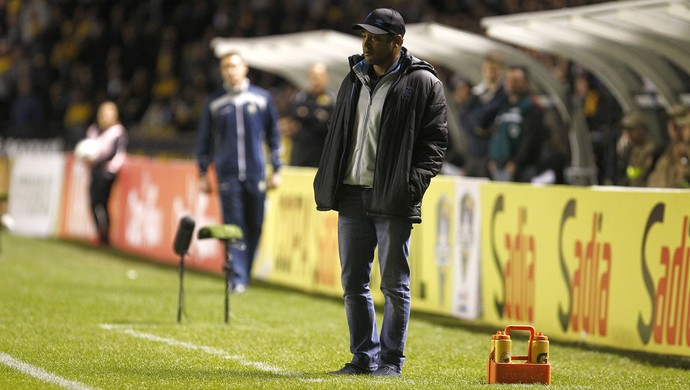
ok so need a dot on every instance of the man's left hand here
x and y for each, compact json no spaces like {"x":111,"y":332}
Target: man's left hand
{"x":274,"y":180}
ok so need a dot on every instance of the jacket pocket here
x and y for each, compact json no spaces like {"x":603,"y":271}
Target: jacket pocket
{"x":414,"y":188}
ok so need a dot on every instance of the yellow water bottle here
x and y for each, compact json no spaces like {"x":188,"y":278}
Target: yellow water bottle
{"x":540,"y":349}
{"x":502,"y":346}
{"x":492,"y":349}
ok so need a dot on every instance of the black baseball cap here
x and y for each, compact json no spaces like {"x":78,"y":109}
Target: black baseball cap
{"x":383,"y":21}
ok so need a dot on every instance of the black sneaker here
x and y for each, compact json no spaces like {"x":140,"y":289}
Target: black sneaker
{"x":350,"y":369}
{"x":387,"y":370}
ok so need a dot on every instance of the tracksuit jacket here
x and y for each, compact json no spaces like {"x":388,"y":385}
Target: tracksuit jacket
{"x":234,"y":143}
{"x":411,"y":145}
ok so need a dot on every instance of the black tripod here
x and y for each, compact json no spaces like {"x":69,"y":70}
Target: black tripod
{"x":183,"y":237}
{"x":231,"y":235}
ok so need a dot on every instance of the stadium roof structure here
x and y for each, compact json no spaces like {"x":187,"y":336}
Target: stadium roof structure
{"x":289,"y":56}
{"x":628,"y":45}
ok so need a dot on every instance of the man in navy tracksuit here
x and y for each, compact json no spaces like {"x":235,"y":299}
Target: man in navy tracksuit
{"x":235,"y":123}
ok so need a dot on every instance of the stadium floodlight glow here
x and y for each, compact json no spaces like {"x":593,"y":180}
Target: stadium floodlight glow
{"x":231,"y":235}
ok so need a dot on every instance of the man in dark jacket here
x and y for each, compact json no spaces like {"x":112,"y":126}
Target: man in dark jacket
{"x":478,"y":113}
{"x":310,"y":112}
{"x":386,"y":141}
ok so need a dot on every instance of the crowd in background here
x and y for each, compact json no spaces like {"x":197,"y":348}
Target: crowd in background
{"x":60,"y":59}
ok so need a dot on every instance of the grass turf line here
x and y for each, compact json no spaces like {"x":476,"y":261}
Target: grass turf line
{"x":56,"y":297}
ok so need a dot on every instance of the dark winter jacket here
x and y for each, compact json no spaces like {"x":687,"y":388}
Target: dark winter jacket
{"x":411,"y":145}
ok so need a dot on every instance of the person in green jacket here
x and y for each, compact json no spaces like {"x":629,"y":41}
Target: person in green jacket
{"x":519,"y":133}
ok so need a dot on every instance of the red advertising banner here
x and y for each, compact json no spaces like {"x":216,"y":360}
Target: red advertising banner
{"x":147,"y":202}
{"x":76,"y":222}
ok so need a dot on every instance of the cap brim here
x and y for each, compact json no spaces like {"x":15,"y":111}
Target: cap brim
{"x":370,"y":28}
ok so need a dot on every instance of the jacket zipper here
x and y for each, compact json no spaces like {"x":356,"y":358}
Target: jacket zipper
{"x":241,"y":152}
{"x":378,"y":140}
{"x":363,"y":140}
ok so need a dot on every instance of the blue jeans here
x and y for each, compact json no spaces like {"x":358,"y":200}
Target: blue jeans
{"x":243,"y":205}
{"x":358,"y":236}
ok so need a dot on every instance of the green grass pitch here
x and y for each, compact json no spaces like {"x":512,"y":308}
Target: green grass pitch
{"x":72,"y":316}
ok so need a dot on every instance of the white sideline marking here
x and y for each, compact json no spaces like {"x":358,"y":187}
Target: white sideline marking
{"x":40,"y":373}
{"x":205,"y":349}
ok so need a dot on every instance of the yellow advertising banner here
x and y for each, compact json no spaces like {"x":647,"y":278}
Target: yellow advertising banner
{"x":431,"y":250}
{"x":444,"y":259}
{"x":299,"y":245}
{"x":605,"y":266}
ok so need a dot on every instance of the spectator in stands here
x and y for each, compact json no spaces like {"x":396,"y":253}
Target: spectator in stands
{"x":380,"y":157}
{"x":33,"y":19}
{"x":105,"y":163}
{"x":683,"y":151}
{"x":665,"y":173}
{"x":158,"y":119}
{"x":601,"y":116}
{"x":6,"y":77}
{"x":310,"y":112}
{"x":234,"y":125}
{"x":520,"y":132}
{"x":181,"y":106}
{"x":136,"y":96}
{"x":27,"y":113}
{"x":456,"y":151}
{"x":78,"y":113}
{"x":66,"y":50}
{"x":477,"y":115}
{"x":114,"y":83}
{"x":57,"y":106}
{"x":636,"y":151}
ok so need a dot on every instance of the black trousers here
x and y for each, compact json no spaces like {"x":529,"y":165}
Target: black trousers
{"x":99,"y":194}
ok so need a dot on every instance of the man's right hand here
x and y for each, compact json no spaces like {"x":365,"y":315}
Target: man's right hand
{"x":204,"y":185}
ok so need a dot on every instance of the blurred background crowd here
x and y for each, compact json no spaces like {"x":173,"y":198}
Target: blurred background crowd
{"x":59,"y":59}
